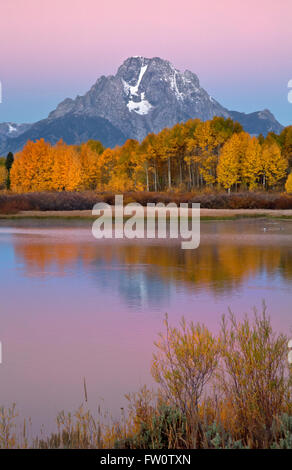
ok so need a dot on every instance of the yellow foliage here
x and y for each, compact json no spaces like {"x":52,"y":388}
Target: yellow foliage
{"x":33,"y":168}
{"x":231,"y":159}
{"x":185,"y":361}
{"x":252,"y":165}
{"x":41,"y":167}
{"x":3,"y":177}
{"x":275,"y":165}
{"x":288,"y":185}
{"x":253,"y":379}
{"x":191,"y":155}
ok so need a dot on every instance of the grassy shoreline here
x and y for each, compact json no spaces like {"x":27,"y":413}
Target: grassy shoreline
{"x":206,"y":214}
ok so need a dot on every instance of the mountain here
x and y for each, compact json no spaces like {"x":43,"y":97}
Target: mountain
{"x":10,"y":129}
{"x":146,"y":95}
{"x":260,"y":122}
{"x":71,"y":128}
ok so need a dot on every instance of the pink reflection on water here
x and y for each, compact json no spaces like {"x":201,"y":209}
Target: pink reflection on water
{"x":74,"y":307}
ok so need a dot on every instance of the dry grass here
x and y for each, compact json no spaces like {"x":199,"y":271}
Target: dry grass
{"x":232,"y":390}
{"x":11,"y":203}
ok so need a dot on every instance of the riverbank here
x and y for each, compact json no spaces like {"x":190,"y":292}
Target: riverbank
{"x":206,"y":214}
{"x":76,"y":203}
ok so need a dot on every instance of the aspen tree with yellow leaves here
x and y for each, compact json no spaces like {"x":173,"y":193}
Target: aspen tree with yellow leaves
{"x":33,"y":168}
{"x":154,"y":156}
{"x":274,"y":165}
{"x":230,"y":161}
{"x":252,"y":165}
{"x":206,"y":142}
{"x":89,"y":166}
{"x":74,"y":182}
{"x":62,"y":160}
{"x":285,"y":140}
{"x":288,"y":185}
{"x":142,"y":167}
{"x":3,"y":177}
{"x":203,"y":149}
{"x":106,"y":165}
{"x":190,"y":156}
{"x":121,"y":175}
{"x":178,"y":144}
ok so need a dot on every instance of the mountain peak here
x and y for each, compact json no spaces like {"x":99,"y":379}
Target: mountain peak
{"x":155,"y":77}
{"x":156,"y":65}
{"x":266,"y":114}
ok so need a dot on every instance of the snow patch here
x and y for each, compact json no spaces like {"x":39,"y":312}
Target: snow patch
{"x":11,"y":128}
{"x":173,"y":85}
{"x":142,"y":107}
{"x":133,"y":90}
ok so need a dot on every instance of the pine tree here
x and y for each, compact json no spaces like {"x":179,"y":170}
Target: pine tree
{"x":8,"y":164}
{"x":9,"y":161}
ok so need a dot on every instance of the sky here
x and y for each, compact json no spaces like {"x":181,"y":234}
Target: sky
{"x":50,"y":50}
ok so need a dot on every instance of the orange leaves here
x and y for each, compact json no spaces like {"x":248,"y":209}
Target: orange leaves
{"x":3,"y":177}
{"x":66,"y":168}
{"x":41,"y":167}
{"x":191,"y":155}
{"x":89,"y":163}
{"x":32,"y":169}
{"x":288,"y":185}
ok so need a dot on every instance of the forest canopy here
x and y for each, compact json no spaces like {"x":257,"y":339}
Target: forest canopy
{"x":190,"y":156}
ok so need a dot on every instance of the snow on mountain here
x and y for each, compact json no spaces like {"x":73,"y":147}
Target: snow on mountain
{"x":11,"y":129}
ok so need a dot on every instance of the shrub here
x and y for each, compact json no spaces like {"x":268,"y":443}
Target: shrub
{"x":166,"y":429}
{"x":185,"y":361}
{"x":66,"y":201}
{"x":284,"y":441}
{"x":253,"y":377}
{"x":250,"y":405}
{"x":13,"y":206}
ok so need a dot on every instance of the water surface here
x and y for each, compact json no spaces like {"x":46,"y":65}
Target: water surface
{"x":74,"y":307}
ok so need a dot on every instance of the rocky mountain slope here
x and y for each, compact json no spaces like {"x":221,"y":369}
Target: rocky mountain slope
{"x":146,"y":95}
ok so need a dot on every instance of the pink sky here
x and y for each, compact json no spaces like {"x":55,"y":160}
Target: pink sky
{"x":51,"y":50}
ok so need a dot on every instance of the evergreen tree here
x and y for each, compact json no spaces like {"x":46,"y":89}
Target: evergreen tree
{"x":9,"y":161}
{"x":8,"y":164}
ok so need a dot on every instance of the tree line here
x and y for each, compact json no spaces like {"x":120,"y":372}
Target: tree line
{"x":190,"y":156}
